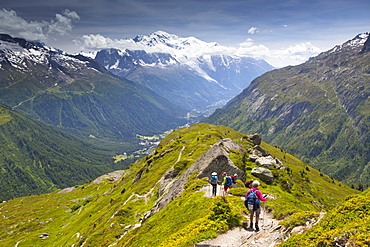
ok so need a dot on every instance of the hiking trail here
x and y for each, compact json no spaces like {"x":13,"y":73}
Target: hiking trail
{"x":269,"y":235}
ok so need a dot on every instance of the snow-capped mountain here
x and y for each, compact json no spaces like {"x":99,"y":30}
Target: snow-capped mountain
{"x":187,"y":71}
{"x":351,"y":45}
{"x":23,"y":55}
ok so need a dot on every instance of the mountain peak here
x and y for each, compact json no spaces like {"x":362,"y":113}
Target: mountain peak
{"x":153,"y":39}
{"x":21,"y":42}
{"x":366,"y":47}
{"x":355,"y":44}
{"x":162,"y":39}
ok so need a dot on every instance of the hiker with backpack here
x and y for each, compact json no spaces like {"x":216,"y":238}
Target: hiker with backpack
{"x":252,"y":203}
{"x":233,"y":180}
{"x":226,"y":182}
{"x":214,"y":182}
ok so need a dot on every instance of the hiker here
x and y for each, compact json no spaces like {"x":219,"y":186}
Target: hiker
{"x":252,"y":202}
{"x":233,"y":180}
{"x":226,"y":182}
{"x":214,"y":181}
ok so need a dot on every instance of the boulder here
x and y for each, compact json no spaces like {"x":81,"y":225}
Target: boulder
{"x":269,"y":161}
{"x":264,"y":174}
{"x":256,"y":139}
{"x":260,"y":151}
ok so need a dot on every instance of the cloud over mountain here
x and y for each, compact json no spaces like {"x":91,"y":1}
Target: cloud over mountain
{"x":14,"y":25}
{"x":294,"y":54}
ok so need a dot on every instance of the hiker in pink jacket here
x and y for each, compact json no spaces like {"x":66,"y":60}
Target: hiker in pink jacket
{"x":252,"y":202}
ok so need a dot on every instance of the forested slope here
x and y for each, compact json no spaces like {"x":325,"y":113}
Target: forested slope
{"x":37,"y":158}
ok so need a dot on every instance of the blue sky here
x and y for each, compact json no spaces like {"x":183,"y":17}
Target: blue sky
{"x":281,"y":32}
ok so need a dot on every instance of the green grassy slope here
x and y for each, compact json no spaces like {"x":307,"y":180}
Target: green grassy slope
{"x":37,"y":158}
{"x":102,"y":214}
{"x":346,"y":225}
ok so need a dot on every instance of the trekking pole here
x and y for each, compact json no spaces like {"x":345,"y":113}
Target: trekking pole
{"x":264,"y":215}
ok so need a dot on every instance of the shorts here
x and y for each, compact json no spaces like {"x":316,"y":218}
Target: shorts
{"x":250,"y":209}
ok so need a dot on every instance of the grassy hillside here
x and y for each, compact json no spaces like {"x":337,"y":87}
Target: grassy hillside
{"x":37,"y":158}
{"x":109,"y":213}
{"x":346,"y":225}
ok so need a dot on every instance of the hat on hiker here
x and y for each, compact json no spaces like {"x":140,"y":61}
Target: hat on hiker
{"x":255,"y":183}
{"x":223,"y":174}
{"x":214,"y":173}
{"x":248,"y":183}
{"x":235,"y":175}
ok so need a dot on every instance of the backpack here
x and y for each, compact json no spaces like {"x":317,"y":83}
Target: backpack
{"x":228,"y":180}
{"x":252,"y":199}
{"x":214,"y":180}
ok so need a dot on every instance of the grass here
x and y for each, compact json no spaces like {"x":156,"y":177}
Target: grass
{"x":4,"y":116}
{"x":348,"y":224}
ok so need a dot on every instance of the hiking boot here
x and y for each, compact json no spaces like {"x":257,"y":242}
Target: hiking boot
{"x":257,"y":228}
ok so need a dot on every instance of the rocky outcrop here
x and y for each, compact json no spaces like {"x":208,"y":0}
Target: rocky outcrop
{"x":270,"y":162}
{"x":256,"y":139}
{"x":216,"y":159}
{"x":264,"y":174}
{"x":261,"y":157}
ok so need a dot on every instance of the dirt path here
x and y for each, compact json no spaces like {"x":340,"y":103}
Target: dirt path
{"x":270,"y":234}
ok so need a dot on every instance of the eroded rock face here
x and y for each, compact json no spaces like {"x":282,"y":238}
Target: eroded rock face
{"x":216,"y":159}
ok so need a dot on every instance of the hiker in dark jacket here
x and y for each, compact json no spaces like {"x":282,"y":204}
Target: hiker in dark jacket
{"x":233,"y":178}
{"x":214,"y":181}
{"x":252,"y":202}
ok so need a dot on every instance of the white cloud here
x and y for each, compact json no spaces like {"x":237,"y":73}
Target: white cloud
{"x":98,"y":42}
{"x":14,"y":25}
{"x":62,"y":23}
{"x":253,"y":30}
{"x":293,"y":55}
